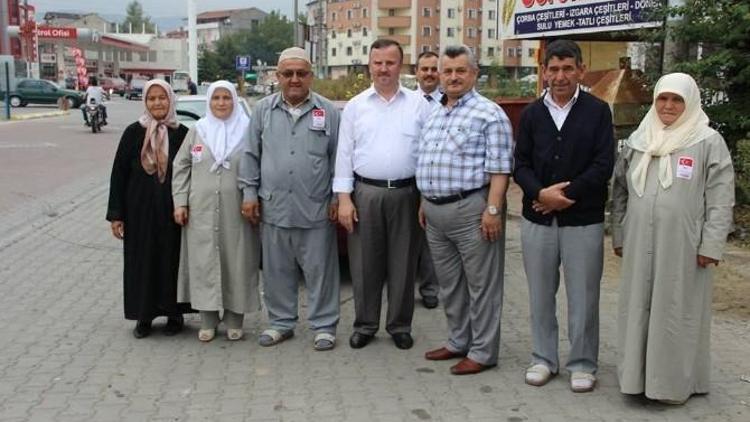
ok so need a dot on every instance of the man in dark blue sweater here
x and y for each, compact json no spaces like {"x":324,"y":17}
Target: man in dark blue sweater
{"x":563,"y":161}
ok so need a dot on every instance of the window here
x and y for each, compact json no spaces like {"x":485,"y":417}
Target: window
{"x":391,"y":31}
{"x":490,"y":51}
{"x":491,"y":15}
{"x":425,"y":48}
{"x":426,"y":31}
{"x":333,"y":16}
{"x":364,"y":32}
{"x":152,"y":56}
{"x":491,"y":34}
{"x":333,"y":52}
{"x":472,"y":14}
{"x":451,"y":13}
{"x":511,"y":52}
{"x":364,"y":13}
{"x":391,"y":12}
{"x":348,"y":33}
{"x":471,"y":32}
{"x":426,"y":12}
{"x":450,"y":32}
{"x":519,"y":51}
{"x":349,"y":51}
{"x":532,"y":52}
{"x":333,"y":34}
{"x":143,"y":57}
{"x":349,"y":14}
{"x":364,"y":50}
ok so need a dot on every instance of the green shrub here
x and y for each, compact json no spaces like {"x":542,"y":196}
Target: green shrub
{"x":741,"y":161}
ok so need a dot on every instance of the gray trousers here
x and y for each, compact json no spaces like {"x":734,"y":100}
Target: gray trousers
{"x":291,"y":255}
{"x":428,"y":284}
{"x":470,"y":272}
{"x":580,"y":250}
{"x":383,"y":250}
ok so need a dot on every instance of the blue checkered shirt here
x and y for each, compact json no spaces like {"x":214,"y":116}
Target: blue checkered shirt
{"x":460,"y":147}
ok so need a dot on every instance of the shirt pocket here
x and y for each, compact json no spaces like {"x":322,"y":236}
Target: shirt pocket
{"x":317,"y":143}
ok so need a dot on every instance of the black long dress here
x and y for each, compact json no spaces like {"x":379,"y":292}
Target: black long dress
{"x":152,"y":238}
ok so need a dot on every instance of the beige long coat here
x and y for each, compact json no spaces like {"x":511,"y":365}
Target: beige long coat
{"x":220,"y":252}
{"x":664,"y":315}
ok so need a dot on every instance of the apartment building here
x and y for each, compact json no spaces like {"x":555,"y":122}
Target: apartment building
{"x":343,"y":30}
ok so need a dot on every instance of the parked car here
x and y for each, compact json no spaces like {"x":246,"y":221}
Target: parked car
{"x":114,"y":86}
{"x":135,"y":89}
{"x":190,"y":108}
{"x":42,"y":91}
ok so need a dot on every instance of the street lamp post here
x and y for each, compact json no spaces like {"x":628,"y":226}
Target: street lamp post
{"x":192,"y":42}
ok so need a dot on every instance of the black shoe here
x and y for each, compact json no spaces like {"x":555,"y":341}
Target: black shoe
{"x":142,"y":329}
{"x":403,"y":340}
{"x":360,"y":340}
{"x":430,"y":302}
{"x":174,"y":325}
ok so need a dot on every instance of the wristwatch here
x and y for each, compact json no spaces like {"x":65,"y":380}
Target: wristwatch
{"x":492,"y":210}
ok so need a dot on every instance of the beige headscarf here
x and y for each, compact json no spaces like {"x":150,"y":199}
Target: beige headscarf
{"x":155,"y":150}
{"x":655,"y":139}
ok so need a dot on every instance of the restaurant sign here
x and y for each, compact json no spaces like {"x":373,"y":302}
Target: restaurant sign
{"x":544,"y":18}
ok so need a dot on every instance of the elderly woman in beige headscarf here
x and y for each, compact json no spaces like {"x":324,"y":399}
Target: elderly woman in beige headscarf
{"x":140,"y":212}
{"x":672,"y":211}
{"x":220,"y":257}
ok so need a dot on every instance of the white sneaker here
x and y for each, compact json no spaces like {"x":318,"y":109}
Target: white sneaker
{"x":538,"y":375}
{"x":582,"y":382}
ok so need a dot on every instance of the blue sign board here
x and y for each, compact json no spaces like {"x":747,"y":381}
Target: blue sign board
{"x":242,"y":62}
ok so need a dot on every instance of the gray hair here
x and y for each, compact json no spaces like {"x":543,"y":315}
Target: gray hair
{"x":454,"y":51}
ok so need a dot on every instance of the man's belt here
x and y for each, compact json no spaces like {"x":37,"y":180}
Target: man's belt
{"x":440,"y":200}
{"x":390,"y":184}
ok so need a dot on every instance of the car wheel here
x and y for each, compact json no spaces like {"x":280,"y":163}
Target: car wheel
{"x":15,"y":101}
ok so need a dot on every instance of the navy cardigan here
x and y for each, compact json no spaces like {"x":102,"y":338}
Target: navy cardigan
{"x":582,"y":152}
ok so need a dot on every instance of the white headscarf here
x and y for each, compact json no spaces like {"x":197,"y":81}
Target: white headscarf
{"x":222,"y":137}
{"x":655,"y":139}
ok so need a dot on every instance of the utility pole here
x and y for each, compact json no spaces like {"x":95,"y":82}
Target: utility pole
{"x":192,"y":42}
{"x":673,"y":52}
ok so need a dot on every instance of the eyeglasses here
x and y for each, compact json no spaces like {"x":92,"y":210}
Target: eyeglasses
{"x":288,"y":74}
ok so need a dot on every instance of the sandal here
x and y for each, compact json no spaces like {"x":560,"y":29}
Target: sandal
{"x":234,"y":334}
{"x":324,"y":341}
{"x":206,"y":334}
{"x":272,"y":337}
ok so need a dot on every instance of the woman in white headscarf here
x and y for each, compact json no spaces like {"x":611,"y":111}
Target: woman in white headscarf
{"x":140,"y":212}
{"x":220,"y":252}
{"x":672,"y":211}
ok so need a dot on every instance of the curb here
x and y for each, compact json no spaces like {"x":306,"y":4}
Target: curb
{"x":39,"y":115}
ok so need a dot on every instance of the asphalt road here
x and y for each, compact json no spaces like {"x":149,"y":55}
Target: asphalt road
{"x":40,"y":156}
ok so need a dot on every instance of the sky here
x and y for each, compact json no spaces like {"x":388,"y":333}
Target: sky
{"x":160,"y":8}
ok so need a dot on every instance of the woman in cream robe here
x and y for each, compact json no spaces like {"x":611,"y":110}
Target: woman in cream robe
{"x":672,"y":210}
{"x":220,"y":249}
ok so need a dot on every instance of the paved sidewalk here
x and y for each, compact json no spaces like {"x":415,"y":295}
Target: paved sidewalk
{"x":67,"y":354}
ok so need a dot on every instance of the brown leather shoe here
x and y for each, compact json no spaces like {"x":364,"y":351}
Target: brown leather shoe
{"x":442,"y":354}
{"x":467,"y":366}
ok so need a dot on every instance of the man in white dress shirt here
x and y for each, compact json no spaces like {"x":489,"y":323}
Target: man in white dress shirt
{"x":428,"y":86}
{"x":378,"y":199}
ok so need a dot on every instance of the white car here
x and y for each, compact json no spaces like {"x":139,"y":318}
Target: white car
{"x":190,"y":108}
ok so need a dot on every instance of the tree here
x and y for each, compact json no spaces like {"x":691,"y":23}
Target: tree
{"x":136,"y":19}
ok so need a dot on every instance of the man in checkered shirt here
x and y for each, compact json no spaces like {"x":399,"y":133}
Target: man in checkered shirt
{"x":465,"y":158}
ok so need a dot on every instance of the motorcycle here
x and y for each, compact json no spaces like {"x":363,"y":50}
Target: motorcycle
{"x":95,"y":117}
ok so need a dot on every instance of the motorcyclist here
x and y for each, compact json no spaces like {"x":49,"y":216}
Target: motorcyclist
{"x":94,"y":95}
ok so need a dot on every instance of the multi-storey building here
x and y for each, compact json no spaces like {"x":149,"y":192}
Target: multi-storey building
{"x":342,"y":30}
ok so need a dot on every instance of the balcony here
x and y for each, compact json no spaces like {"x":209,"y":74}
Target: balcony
{"x":394,"y":4}
{"x":401,"y":39}
{"x":394,"y":22}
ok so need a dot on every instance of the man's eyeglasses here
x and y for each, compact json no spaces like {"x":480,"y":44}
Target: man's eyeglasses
{"x":288,"y":74}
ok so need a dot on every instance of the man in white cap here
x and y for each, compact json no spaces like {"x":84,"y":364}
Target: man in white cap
{"x":285,"y":177}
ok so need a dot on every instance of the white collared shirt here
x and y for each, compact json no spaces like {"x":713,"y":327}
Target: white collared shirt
{"x":559,"y":114}
{"x":379,"y":138}
{"x":436,"y":95}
